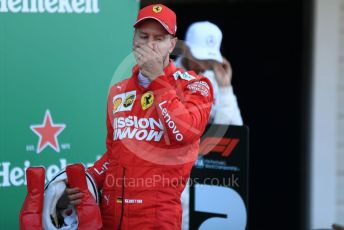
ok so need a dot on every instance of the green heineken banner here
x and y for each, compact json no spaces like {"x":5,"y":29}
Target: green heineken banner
{"x":57,"y":59}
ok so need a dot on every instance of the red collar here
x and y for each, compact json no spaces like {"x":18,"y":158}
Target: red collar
{"x":168,"y":70}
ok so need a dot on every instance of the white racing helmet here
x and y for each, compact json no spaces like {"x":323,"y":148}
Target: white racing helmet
{"x":55,"y":218}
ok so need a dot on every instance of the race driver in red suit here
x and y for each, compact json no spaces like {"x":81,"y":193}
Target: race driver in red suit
{"x":154,"y":119}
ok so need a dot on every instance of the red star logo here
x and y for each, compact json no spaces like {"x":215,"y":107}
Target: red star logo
{"x":48,"y":132}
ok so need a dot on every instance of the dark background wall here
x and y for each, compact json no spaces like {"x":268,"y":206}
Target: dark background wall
{"x":268,"y":44}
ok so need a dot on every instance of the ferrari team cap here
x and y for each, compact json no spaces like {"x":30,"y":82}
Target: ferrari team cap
{"x":164,"y":15}
{"x":204,"y":40}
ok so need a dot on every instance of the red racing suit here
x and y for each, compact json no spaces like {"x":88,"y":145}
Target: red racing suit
{"x":152,"y":143}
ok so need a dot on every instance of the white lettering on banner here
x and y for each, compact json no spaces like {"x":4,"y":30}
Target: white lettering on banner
{"x":51,"y":171}
{"x":14,"y":6}
{"x":65,"y":7}
{"x":78,"y":6}
{"x":49,"y":6}
{"x":5,"y":174}
{"x":170,"y":123}
{"x":132,"y":127}
{"x":15,"y":176}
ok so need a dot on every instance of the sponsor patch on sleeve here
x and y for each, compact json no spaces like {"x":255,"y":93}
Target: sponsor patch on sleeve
{"x":123,"y":102}
{"x":186,"y":76}
{"x":199,"y":86}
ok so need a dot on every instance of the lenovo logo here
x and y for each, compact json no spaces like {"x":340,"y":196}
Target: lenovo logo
{"x":221,"y":145}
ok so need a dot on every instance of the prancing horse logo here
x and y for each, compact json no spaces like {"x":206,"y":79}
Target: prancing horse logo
{"x":157,"y":9}
{"x":147,"y":100}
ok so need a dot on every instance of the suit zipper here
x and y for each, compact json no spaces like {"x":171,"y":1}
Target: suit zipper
{"x":122,"y":211}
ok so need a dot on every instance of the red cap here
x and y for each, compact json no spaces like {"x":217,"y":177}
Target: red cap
{"x":164,"y":15}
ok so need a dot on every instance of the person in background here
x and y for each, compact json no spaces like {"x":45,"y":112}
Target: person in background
{"x":201,"y":53}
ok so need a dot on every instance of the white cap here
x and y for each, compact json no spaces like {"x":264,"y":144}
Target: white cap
{"x":204,"y":40}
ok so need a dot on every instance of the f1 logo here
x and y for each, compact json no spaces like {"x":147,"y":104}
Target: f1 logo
{"x":221,"y":145}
